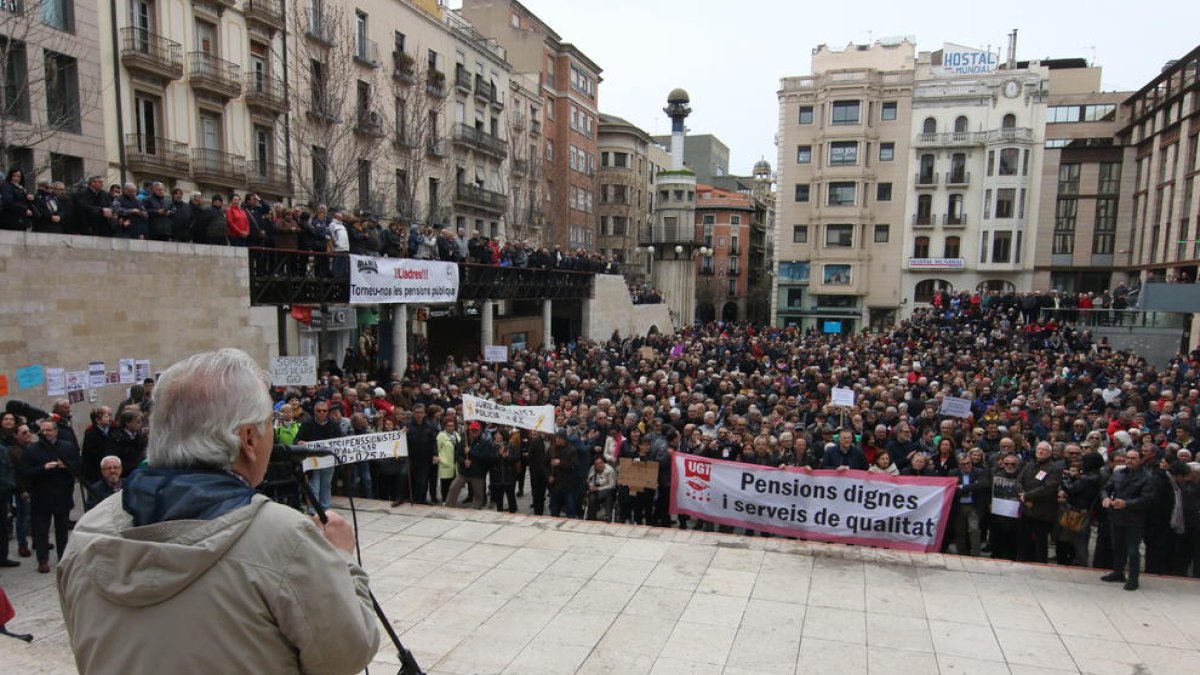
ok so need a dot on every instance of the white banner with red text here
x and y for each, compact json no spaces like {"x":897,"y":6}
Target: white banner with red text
{"x":401,"y":280}
{"x":361,"y":448}
{"x":909,"y":513}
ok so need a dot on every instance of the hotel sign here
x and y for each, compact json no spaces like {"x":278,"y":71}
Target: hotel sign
{"x":936,"y":263}
{"x":959,"y":60}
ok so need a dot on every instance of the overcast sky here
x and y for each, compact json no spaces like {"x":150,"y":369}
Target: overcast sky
{"x":730,"y":55}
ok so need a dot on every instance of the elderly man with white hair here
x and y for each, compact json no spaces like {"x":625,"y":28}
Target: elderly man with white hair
{"x":190,"y":570}
{"x":110,"y":482}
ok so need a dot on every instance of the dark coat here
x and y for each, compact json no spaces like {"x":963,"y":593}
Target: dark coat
{"x":14,"y":202}
{"x":481,"y":453}
{"x":504,"y":470}
{"x":566,"y":474}
{"x":45,"y":207}
{"x":160,"y":211}
{"x":853,"y":458}
{"x":1137,"y":489}
{"x":95,"y":442}
{"x":977,"y":490}
{"x":131,"y":450}
{"x":183,"y":222}
{"x":89,"y":215}
{"x":422,"y":441}
{"x":50,"y":490}
{"x":1041,"y":491}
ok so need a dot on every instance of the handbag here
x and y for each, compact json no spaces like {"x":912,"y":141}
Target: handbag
{"x":1073,"y":519}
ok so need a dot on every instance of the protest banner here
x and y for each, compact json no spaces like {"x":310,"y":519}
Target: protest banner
{"x":908,"y":513}
{"x":294,"y":371}
{"x":351,"y":449}
{"x":397,"y":280}
{"x":533,"y":417}
{"x":843,"y":397}
{"x":956,"y":407}
{"x":637,"y":476}
{"x":495,"y":354}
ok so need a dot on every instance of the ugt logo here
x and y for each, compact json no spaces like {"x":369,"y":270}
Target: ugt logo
{"x":368,"y":265}
{"x":696,"y":477}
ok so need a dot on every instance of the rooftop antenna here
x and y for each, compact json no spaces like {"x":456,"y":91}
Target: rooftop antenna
{"x":1093,"y":61}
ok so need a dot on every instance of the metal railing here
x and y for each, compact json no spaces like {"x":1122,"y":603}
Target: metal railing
{"x":920,"y":220}
{"x":265,"y":92}
{"x":269,"y":12}
{"x":366,"y":52}
{"x":462,"y":78}
{"x":266,"y":177}
{"x":156,"y":155}
{"x":216,"y":166}
{"x":480,"y":197}
{"x":403,"y":67}
{"x":481,"y":140}
{"x":1128,"y":318}
{"x":214,"y":74}
{"x":950,"y":220}
{"x":925,"y":179}
{"x":958,"y":178}
{"x":151,"y":52}
{"x":435,"y":83}
{"x":319,"y":27}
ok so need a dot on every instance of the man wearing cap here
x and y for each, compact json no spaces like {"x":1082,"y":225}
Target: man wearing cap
{"x":473,"y":457}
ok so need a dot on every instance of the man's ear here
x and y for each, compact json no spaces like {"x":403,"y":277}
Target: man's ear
{"x":246,"y":442}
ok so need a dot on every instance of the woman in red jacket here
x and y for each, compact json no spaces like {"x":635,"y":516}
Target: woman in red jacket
{"x":237,"y":223}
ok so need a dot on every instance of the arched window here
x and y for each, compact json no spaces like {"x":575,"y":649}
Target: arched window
{"x":999,"y":285}
{"x":1010,"y":121}
{"x":960,"y":124}
{"x":930,"y":126}
{"x":921,"y":247}
{"x":953,"y":248}
{"x":925,"y":289}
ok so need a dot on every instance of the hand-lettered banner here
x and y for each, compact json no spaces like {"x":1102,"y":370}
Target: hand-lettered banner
{"x":401,"y":280}
{"x":362,"y":448}
{"x":908,"y":513}
{"x":533,"y":417}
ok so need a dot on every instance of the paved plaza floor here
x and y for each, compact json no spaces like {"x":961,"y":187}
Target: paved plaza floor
{"x":476,"y":592}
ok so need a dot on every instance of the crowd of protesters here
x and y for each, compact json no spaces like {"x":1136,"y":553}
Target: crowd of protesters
{"x":150,"y":212}
{"x":645,"y":294}
{"x":1096,"y":445}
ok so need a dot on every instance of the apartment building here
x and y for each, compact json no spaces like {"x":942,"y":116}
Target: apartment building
{"x":1085,"y":210}
{"x":975,"y":167}
{"x":1163,"y":133}
{"x":844,"y":136}
{"x":626,"y":186}
{"x":196,"y":98}
{"x":569,"y":85}
{"x":50,"y":124}
{"x":528,"y":199}
{"x":726,"y":224}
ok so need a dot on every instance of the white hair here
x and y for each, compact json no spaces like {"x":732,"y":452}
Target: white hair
{"x":108,"y":457}
{"x":200,"y":404}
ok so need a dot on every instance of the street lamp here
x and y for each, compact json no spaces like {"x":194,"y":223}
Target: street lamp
{"x":678,"y":249}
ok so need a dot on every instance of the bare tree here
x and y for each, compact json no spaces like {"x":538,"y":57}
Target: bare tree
{"x":422,"y":150}
{"x":523,"y":181}
{"x":42,"y":93}
{"x":342,"y":125}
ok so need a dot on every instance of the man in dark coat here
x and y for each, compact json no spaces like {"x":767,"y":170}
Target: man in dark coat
{"x":47,"y":211}
{"x":1127,"y":497}
{"x":51,"y":487}
{"x":422,"y":454}
{"x":845,"y":455}
{"x":92,"y":210}
{"x":1038,"y":483}
{"x":565,"y":485}
{"x":160,"y":210}
{"x":970,"y":505}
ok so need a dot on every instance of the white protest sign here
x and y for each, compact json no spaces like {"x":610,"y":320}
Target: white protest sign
{"x":56,"y":382}
{"x":393,"y":280}
{"x":843,"y":397}
{"x":96,"y":376}
{"x":908,"y":513}
{"x":128,"y":370}
{"x":956,"y":407}
{"x":143,"y":369}
{"x":534,"y":417}
{"x":351,"y":449}
{"x":294,"y":371}
{"x":77,"y":380}
{"x":495,"y":354}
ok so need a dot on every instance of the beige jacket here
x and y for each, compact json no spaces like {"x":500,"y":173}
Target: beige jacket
{"x":257,"y":590}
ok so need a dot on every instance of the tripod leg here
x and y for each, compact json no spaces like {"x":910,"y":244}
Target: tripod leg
{"x":25,"y":637}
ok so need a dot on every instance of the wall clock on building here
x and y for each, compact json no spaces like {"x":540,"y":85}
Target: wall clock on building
{"x":1012,"y":88}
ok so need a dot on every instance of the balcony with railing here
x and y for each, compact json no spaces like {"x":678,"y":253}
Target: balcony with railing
{"x":519,"y":121}
{"x":922,"y":220}
{"x":366,"y":52}
{"x":954,"y":220}
{"x":265,"y":93}
{"x":266,"y":12}
{"x":151,"y":54}
{"x":268,"y":177}
{"x":473,"y":196}
{"x":320,"y":28}
{"x":951,"y":139}
{"x":925,"y":179}
{"x":214,"y":75}
{"x":403,"y":67}
{"x":480,"y":140}
{"x":520,"y":167}
{"x":462,"y":79}
{"x":1011,"y":134}
{"x":435,"y":147}
{"x":958,"y":178}
{"x":156,"y":156}
{"x":369,"y":123}
{"x":484,"y":91}
{"x":435,"y":83}
{"x":214,"y":167}
{"x":535,"y":127}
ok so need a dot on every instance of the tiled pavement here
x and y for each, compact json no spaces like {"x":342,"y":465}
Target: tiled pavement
{"x":475,"y":592}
